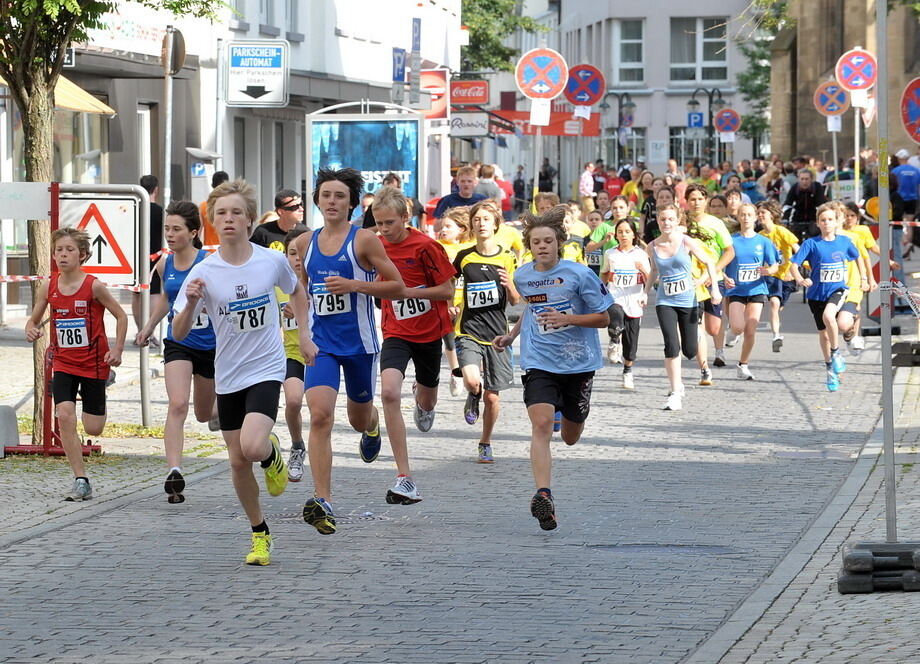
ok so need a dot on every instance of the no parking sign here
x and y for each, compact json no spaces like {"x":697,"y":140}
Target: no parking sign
{"x":727,"y":122}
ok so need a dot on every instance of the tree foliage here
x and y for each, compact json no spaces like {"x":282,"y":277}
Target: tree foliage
{"x":489,"y":23}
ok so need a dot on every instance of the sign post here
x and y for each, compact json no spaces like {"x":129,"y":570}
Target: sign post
{"x":857,"y":71}
{"x":831,"y":100}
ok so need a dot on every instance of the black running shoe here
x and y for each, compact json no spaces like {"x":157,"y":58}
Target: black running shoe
{"x":174,"y":486}
{"x":471,"y":407}
{"x":543,"y":510}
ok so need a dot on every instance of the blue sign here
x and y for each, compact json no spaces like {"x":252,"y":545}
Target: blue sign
{"x":399,"y":65}
{"x":695,"y":119}
{"x":198,"y":170}
{"x":416,"y":35}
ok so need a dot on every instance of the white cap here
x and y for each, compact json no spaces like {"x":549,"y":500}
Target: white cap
{"x":902,"y":154}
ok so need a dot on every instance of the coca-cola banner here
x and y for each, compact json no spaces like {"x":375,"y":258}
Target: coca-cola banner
{"x":469,"y":92}
{"x":560,"y":124}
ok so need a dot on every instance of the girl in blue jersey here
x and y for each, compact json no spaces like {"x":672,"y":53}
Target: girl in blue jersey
{"x":560,"y":347}
{"x":670,"y":256}
{"x":827,"y":255}
{"x":746,"y":280}
{"x":190,"y":363}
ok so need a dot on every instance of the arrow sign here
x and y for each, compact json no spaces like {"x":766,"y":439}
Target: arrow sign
{"x":255,"y":91}
{"x":541,"y":73}
{"x":586,"y":85}
{"x":99,"y":242}
{"x":831,"y":99}
{"x":910,"y":109}
{"x":257,"y":72}
{"x":856,"y":70}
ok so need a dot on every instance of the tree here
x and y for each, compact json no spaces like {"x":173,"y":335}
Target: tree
{"x":34,"y":35}
{"x":489,"y":23}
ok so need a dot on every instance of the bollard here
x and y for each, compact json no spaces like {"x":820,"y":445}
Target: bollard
{"x":9,"y":428}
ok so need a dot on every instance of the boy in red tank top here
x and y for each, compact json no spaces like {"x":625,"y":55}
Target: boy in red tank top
{"x":80,"y":349}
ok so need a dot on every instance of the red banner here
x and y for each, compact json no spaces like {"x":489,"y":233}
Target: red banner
{"x":560,"y":124}
{"x":469,"y":92}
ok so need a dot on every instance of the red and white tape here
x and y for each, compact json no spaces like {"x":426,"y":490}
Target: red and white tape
{"x":162,"y":252}
{"x":32,"y":277}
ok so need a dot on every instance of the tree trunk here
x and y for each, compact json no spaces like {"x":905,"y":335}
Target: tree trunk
{"x":38,"y":131}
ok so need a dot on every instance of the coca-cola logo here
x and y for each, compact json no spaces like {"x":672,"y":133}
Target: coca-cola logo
{"x":469,"y":92}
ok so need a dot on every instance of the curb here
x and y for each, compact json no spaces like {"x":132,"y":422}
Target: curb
{"x":752,"y":609}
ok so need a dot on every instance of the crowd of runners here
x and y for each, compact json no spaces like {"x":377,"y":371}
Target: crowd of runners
{"x":281,"y":308}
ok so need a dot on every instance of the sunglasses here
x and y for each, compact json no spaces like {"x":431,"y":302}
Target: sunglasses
{"x":291,"y":208}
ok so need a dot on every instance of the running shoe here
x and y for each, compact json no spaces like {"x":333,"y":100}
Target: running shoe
{"x":674,"y":402}
{"x":731,"y":339}
{"x":295,"y":464}
{"x":485,"y":453}
{"x":744,"y":373}
{"x":557,"y":421}
{"x":111,"y":379}
{"x":214,"y":424}
{"x":424,"y":419}
{"x":719,"y":360}
{"x":859,"y":343}
{"x":276,"y":474}
{"x":471,"y":407}
{"x":81,"y":491}
{"x":777,"y":344}
{"x":261,"y":551}
{"x":404,"y":492}
{"x":615,"y":352}
{"x":174,"y":486}
{"x":544,"y":510}
{"x":849,"y":334}
{"x":369,"y":447}
{"x":837,"y":363}
{"x":628,"y":383}
{"x":833,"y":381}
{"x":318,"y":513}
{"x":456,"y":385}
{"x":706,"y":376}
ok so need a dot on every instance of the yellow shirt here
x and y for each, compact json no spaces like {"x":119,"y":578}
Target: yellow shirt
{"x":866,"y":234}
{"x":452,"y":249}
{"x":580,"y":228}
{"x":289,"y":331}
{"x":698,"y":270}
{"x":854,"y":292}
{"x":784,"y":240}
{"x":510,"y":238}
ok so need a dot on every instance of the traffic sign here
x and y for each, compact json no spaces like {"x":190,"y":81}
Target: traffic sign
{"x":586,"y":85}
{"x":831,"y":99}
{"x":541,"y":73}
{"x":910,"y":109}
{"x":627,"y":119}
{"x":695,"y":119}
{"x":399,"y":65}
{"x":112,"y":224}
{"x":727,"y":120}
{"x":856,"y":70}
{"x":258,"y":73}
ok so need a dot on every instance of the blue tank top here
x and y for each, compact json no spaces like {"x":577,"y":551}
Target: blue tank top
{"x":201,"y":336}
{"x":341,"y":324}
{"x":675,"y":281}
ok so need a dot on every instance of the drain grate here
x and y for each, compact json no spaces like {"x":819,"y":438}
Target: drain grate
{"x":678,"y":549}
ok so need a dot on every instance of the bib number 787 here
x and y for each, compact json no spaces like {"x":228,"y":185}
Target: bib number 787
{"x":250,"y":313}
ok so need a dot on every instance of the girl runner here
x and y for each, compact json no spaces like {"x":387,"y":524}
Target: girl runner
{"x":81,"y":356}
{"x":560,"y":348}
{"x":596,"y":256}
{"x":454,"y":235}
{"x":625,"y":270}
{"x":781,"y":285}
{"x":190,"y":363}
{"x":678,"y":317}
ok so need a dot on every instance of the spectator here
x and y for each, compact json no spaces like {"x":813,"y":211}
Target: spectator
{"x":466,"y":183}
{"x":520,"y":190}
{"x":486,"y":186}
{"x":547,"y":175}
{"x":674,"y":170}
{"x":802,"y":203}
{"x":209,"y":234}
{"x":908,"y":184}
{"x":152,"y":186}
{"x":586,"y":187}
{"x":600,"y":176}
{"x":507,"y":192}
{"x":289,"y":208}
{"x":614,"y":183}
{"x":417,"y":213}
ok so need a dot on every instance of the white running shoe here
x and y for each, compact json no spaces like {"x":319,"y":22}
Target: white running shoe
{"x":295,"y":465}
{"x":674,"y":402}
{"x":456,"y":386}
{"x":424,"y":419}
{"x":404,"y":492}
{"x":744,"y":373}
{"x":81,"y":491}
{"x":859,"y":343}
{"x":628,"y":381}
{"x":615,"y":352}
{"x":731,"y":339}
{"x":777,"y":343}
{"x":719,"y":360}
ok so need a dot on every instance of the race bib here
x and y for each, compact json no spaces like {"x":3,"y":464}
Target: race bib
{"x":481,"y":294}
{"x":595,"y":257}
{"x":71,"y":333}
{"x":676,"y":284}
{"x":410,"y":308}
{"x":287,"y":323}
{"x":831,"y":273}
{"x":201,"y":321}
{"x":326,"y":303}
{"x":625,"y":278}
{"x":564,"y":307}
{"x":748,"y":273}
{"x":250,"y":313}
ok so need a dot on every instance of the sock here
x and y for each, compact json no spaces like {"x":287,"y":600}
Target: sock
{"x":456,"y":372}
{"x":268,"y":460}
{"x":376,"y":431}
{"x":546,"y":489}
{"x":81,"y":477}
{"x":261,"y":528}
{"x":627,"y":370}
{"x":742,"y":364}
{"x":175,"y":468}
{"x":834,"y":351}
{"x":297,"y":445}
{"x":828,"y":364}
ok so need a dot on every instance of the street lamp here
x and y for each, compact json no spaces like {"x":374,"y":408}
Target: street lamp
{"x":716,"y":104}
{"x":624,"y":104}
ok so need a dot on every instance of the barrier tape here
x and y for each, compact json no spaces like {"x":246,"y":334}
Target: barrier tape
{"x":32,"y":277}
{"x":164,"y":251}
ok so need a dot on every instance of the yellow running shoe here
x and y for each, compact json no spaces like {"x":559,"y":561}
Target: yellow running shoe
{"x":276,"y":475}
{"x":261,"y":552}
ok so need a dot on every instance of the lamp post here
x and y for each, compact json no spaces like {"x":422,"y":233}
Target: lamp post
{"x":624,"y":103}
{"x":716,"y":104}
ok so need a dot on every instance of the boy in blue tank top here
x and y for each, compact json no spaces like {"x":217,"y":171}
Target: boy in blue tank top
{"x":345,"y":268}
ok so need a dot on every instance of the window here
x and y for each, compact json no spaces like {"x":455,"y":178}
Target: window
{"x":266,"y":12}
{"x":699,"y":49}
{"x":624,"y":146}
{"x":292,"y":17}
{"x":279,"y":156}
{"x":239,"y":146}
{"x":629,"y":52}
{"x":692,"y":145}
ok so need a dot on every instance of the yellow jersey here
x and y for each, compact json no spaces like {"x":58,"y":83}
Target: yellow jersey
{"x":785,"y":242}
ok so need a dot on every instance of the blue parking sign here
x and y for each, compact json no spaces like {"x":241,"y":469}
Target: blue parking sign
{"x":695,"y":119}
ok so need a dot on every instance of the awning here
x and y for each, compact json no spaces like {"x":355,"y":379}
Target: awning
{"x":68,"y":96}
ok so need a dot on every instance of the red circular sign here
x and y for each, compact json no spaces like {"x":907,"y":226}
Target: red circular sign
{"x":910,"y":109}
{"x":586,"y":85}
{"x":831,"y":99}
{"x":727,"y":120}
{"x":856,"y":70}
{"x":541,"y":73}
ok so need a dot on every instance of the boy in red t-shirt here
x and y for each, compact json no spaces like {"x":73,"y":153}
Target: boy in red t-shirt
{"x":81,"y":356}
{"x":413,"y":327}
{"x":614,"y":183}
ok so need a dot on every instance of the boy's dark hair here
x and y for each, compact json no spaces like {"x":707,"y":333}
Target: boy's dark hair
{"x":292,"y":235}
{"x":696,"y":186}
{"x":553,"y":219}
{"x":285,"y":195}
{"x":347,"y":176}
{"x":219,"y":178}
{"x":190,"y":214}
{"x":149,"y":183}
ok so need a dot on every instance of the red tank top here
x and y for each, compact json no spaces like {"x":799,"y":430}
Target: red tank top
{"x":78,"y":338}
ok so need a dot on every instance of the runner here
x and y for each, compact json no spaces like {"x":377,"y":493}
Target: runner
{"x":454,"y":235}
{"x":675,"y":305}
{"x":595,"y":258}
{"x":745,"y":278}
{"x":545,"y":201}
{"x":781,"y":285}
{"x":236,"y":285}
{"x":827,"y":255}
{"x":487,"y":271}
{"x":191,"y":362}
{"x":345,"y":268}
{"x":852,"y":228}
{"x":81,"y":356}
{"x":560,"y":348}
{"x":848,"y":316}
{"x":627,"y":268}
{"x":295,"y":366}
{"x":413,"y":328}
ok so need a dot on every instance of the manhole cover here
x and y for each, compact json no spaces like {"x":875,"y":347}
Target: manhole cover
{"x":297,"y":517}
{"x":679,"y":549}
